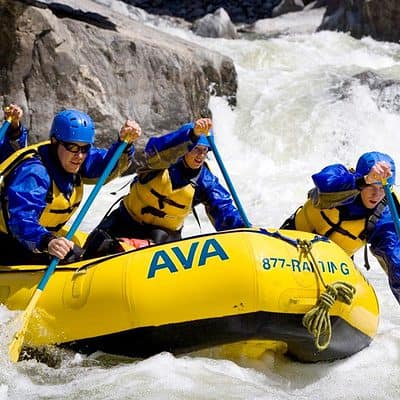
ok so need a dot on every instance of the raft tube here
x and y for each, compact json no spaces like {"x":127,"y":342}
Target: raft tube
{"x":245,"y":288}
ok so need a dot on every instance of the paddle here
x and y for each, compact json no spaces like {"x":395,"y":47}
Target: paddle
{"x":16,"y":344}
{"x":392,"y":206}
{"x":210,"y":138}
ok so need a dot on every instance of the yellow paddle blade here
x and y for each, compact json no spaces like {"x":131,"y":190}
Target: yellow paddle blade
{"x":19,"y":337}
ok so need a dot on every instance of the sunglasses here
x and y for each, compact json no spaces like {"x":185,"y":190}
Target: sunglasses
{"x":200,"y":151}
{"x":75,"y":148}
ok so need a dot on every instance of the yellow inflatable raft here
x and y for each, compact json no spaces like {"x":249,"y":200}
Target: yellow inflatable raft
{"x":249,"y":288}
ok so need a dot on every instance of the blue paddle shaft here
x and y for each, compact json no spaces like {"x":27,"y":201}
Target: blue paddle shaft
{"x":228,"y":180}
{"x":111,"y":164}
{"x":3,"y":129}
{"x":392,"y":208}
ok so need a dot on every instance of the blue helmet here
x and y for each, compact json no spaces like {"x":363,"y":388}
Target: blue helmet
{"x":73,"y":126}
{"x":202,"y":141}
{"x":368,"y":160}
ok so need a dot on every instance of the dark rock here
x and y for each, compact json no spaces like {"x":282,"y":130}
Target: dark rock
{"x":286,"y":6}
{"x":310,"y":5}
{"x":65,"y":11}
{"x":379,"y":19}
{"x":240,"y":12}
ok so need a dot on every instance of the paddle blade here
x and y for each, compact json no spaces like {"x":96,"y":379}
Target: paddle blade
{"x":19,"y":337}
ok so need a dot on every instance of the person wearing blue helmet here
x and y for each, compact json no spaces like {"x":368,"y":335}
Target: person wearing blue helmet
{"x":16,"y":135}
{"x":172,"y":178}
{"x":43,"y":185}
{"x":349,"y":207}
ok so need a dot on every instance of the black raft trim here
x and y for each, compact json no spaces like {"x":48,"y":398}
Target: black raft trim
{"x":196,"y":335}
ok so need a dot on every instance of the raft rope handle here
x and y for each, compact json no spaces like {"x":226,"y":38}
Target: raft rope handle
{"x":317,"y":320}
{"x":293,"y":242}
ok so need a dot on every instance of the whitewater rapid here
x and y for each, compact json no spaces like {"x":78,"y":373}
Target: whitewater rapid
{"x":289,"y":122}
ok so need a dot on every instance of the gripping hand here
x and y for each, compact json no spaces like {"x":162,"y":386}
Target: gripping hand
{"x":381,"y":170}
{"x":13,"y":114}
{"x":130,"y":131}
{"x":202,"y":126}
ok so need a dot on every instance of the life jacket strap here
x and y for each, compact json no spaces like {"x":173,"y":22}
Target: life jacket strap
{"x":336,"y":227}
{"x":153,"y":211}
{"x":164,"y":199}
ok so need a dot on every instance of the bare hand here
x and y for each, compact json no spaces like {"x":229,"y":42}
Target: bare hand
{"x":202,"y":126}
{"x":381,"y":170}
{"x":14,"y":114}
{"x":60,"y":247}
{"x":130,"y":131}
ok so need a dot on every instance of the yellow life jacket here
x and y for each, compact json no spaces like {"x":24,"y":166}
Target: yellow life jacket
{"x":157,"y":203}
{"x":59,"y":209}
{"x":349,"y":235}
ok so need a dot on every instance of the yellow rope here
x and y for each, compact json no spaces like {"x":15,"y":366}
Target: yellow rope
{"x":317,"y":320}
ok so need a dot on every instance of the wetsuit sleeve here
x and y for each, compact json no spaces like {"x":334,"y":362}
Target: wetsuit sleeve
{"x":385,"y":246}
{"x":218,"y":202}
{"x":23,"y":137}
{"x":6,"y":148}
{"x":163,"y":151}
{"x":97,"y":160}
{"x":335,"y":185}
{"x":27,"y":192}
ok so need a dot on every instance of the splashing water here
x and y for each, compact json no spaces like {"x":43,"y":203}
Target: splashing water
{"x":289,"y":122}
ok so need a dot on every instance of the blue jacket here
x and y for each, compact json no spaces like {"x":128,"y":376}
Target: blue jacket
{"x":8,"y":146}
{"x":167,"y":151}
{"x":28,"y":185}
{"x":342,"y":186}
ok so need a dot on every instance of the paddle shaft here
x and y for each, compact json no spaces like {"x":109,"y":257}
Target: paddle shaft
{"x":16,"y":344}
{"x":84,"y":210}
{"x":392,"y":207}
{"x":228,"y":181}
{"x":4,"y":128}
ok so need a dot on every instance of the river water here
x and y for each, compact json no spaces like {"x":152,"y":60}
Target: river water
{"x":290,"y":121}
